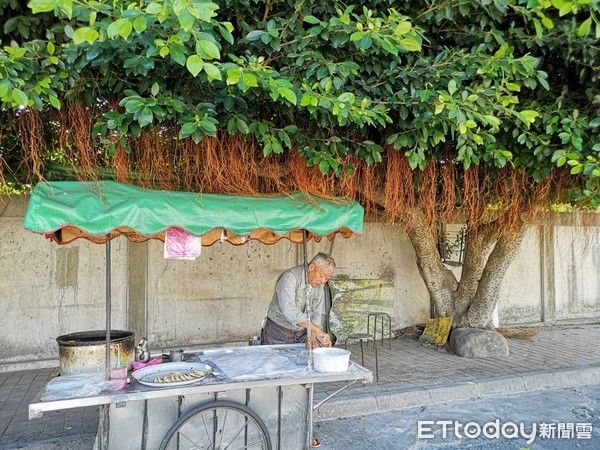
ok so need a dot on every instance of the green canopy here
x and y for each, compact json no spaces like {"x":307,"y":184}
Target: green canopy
{"x":68,"y":210}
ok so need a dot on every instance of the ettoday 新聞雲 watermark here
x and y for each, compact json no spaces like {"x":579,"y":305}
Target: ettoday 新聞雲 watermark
{"x":431,"y":429}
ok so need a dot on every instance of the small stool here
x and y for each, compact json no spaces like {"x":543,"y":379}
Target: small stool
{"x":362,"y":337}
{"x":382,"y":315}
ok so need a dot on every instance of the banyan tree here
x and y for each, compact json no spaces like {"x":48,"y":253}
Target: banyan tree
{"x":481,"y":113}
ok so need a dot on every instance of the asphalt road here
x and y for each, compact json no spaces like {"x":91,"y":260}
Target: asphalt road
{"x":551,"y":419}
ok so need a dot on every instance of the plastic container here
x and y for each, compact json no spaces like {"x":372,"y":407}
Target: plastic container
{"x":331,"y":359}
{"x":118,"y":373}
{"x":176,"y":355}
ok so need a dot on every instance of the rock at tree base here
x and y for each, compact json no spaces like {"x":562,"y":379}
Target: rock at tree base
{"x":478,"y":343}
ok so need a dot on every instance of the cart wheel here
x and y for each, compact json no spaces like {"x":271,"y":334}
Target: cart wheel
{"x":218,"y":425}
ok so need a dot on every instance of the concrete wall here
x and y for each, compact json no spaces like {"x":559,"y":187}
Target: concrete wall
{"x":521,"y":294}
{"x":576,"y":272}
{"x":224,"y":295}
{"x":47,"y":290}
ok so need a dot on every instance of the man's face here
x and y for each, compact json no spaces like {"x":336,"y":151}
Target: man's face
{"x":318,"y":276}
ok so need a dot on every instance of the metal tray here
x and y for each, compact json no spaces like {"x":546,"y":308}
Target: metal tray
{"x":146,"y":375}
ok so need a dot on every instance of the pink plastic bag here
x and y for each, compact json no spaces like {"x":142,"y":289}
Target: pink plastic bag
{"x":179,"y":244}
{"x":151,"y":362}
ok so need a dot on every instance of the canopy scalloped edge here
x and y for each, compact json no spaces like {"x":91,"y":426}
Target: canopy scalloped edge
{"x":69,"y":233}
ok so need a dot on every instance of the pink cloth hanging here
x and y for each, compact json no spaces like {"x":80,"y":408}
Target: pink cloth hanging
{"x":179,"y":244}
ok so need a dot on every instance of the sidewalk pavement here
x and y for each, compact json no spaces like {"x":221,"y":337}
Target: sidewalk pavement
{"x":410,"y":374}
{"x":73,"y":428}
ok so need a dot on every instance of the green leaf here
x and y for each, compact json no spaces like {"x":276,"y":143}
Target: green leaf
{"x":178,"y":54}
{"x":276,"y":146}
{"x":19,"y":97}
{"x":312,"y":20}
{"x":3,"y":90}
{"x":231,"y":128}
{"x":356,"y":36}
{"x":305,"y":100}
{"x":120,"y":27}
{"x":288,"y":94}
{"x":79,"y":35}
{"x":410,"y":44}
{"x":92,"y":19}
{"x":208,"y":127}
{"x":539,"y":31}
{"x":492,"y":120}
{"x":241,"y":126}
{"x":208,"y":49}
{"x":139,"y":24}
{"x":346,"y":97}
{"x":226,"y":34}
{"x":85,"y":34}
{"x":54,"y":101}
{"x":38,"y":6}
{"x":204,"y":11}
{"x":194,"y":64}
{"x":153,"y":8}
{"x":254,"y":35}
{"x":387,"y":45}
{"x":451,"y":87}
{"x":595,"y":123}
{"x":324,"y":166}
{"x":267,"y":149}
{"x":133,"y":105}
{"x":250,"y":79}
{"x":155,"y":89}
{"x":186,"y":20}
{"x":233,"y":75}
{"x":50,"y":47}
{"x":145,"y":117}
{"x":187,"y":129}
{"x":584,"y":28}
{"x":212,"y":71}
{"x":529,"y":115}
{"x":513,"y":87}
{"x":402,"y":28}
{"x":547,"y":22}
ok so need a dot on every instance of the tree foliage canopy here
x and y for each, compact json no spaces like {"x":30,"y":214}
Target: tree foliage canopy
{"x":491,"y":83}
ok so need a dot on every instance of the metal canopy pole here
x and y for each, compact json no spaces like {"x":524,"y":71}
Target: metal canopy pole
{"x":107,"y":263}
{"x":308,"y":303}
{"x":310,"y":387}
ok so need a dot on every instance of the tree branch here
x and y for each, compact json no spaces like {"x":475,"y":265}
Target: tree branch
{"x":480,"y":311}
{"x":440,"y":281}
{"x":480,"y":241}
{"x":267,"y":9}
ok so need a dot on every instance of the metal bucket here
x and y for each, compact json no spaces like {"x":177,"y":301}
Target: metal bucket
{"x":85,"y":351}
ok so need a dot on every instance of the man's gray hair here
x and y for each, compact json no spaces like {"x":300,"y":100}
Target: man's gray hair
{"x":323,"y":260}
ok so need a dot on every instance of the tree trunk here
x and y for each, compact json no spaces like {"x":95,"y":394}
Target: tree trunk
{"x":479,"y":314}
{"x":472,"y":300}
{"x":478,"y":246}
{"x":440,"y":281}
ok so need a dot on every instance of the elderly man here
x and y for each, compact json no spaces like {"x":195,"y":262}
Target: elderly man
{"x":286,"y":317}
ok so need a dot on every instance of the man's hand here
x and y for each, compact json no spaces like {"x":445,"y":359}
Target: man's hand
{"x":318,"y":338}
{"x":324,"y":339}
